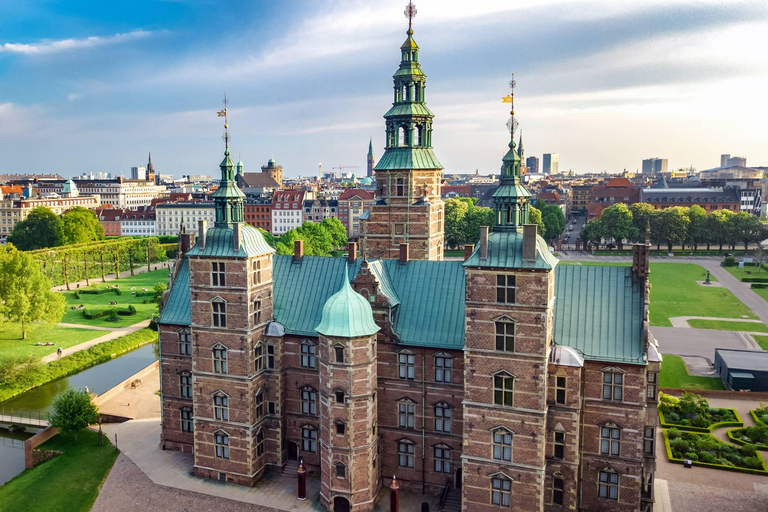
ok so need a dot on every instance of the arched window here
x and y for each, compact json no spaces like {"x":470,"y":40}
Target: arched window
{"x":221,"y":406}
{"x":402,"y":136}
{"x":442,"y":417}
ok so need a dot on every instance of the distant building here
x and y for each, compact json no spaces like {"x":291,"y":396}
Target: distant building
{"x":451,"y":191}
{"x":353,"y":203}
{"x":532,"y":164}
{"x":654,"y":165}
{"x":151,"y":171}
{"x":139,"y":222}
{"x":581,"y":197}
{"x":615,"y":190}
{"x":287,"y":210}
{"x":259,"y":214}
{"x":110,"y":218}
{"x":169,"y":215}
{"x":737,"y":160}
{"x":661,"y":196}
{"x":317,"y":210}
{"x":724,"y":160}
{"x":551,"y":164}
{"x":120,"y":193}
{"x":138,"y":173}
{"x":274,"y":171}
{"x":259,"y":183}
{"x":15,"y":205}
{"x":371,"y":159}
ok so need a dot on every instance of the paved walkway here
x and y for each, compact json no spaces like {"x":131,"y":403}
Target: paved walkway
{"x":137,"y":403}
{"x":114,"y":333}
{"x":682,"y":321}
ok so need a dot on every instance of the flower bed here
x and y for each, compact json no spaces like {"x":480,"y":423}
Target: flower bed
{"x":707,"y":451}
{"x":756,"y":437}
{"x":760,"y":415}
{"x":692,"y":413}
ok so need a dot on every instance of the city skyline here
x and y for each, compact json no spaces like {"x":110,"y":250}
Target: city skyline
{"x":92,"y":88}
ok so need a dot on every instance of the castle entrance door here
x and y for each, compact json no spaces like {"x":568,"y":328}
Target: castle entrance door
{"x":340,"y":504}
{"x":293,"y":451}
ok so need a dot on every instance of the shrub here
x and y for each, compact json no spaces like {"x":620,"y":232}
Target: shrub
{"x":753,"y":462}
{"x":673,"y":433}
{"x":679,"y":445}
{"x":754,"y":279}
{"x":708,"y":458}
{"x":759,"y":286}
{"x":729,"y":261}
{"x":691,"y":455}
{"x":112,"y":316}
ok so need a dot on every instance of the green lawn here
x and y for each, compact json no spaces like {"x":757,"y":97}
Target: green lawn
{"x":68,"y":483}
{"x":762,"y":341}
{"x":742,"y":272}
{"x":675,"y":375}
{"x":597,"y":263}
{"x":11,"y":343}
{"x":143,"y":311}
{"x":728,"y":326}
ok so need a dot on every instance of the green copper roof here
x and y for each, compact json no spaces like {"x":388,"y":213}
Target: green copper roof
{"x":69,"y":187}
{"x":409,"y":109}
{"x":177,"y":307}
{"x":347,"y":314}
{"x":505,"y":250}
{"x":407,"y":158}
{"x":598,"y":311}
{"x":218,"y":243}
{"x":511,"y":190}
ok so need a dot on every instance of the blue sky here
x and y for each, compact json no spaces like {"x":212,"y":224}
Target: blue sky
{"x":92,"y":86}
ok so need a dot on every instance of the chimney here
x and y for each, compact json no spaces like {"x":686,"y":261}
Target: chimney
{"x":468,"y":250}
{"x":404,"y":253}
{"x":352,"y":251}
{"x":237,"y":231}
{"x":298,"y":250}
{"x":640,"y":260}
{"x":203,"y":229}
{"x":529,"y":242}
{"x":483,"y":243}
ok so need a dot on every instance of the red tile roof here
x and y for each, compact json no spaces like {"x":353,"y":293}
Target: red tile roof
{"x":350,"y":193}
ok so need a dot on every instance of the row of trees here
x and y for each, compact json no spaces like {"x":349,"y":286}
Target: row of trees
{"x":673,"y":226}
{"x":320,"y":239}
{"x":42,"y":228}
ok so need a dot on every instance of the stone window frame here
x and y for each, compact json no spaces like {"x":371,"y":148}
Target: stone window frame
{"x":182,"y":386}
{"x":309,"y":438}
{"x":499,"y":444}
{"x":406,"y":453}
{"x":260,"y":442}
{"x":443,"y":367}
{"x":337,"y":392}
{"x":446,"y":415}
{"x":258,"y":400}
{"x":652,"y":381}
{"x":501,"y":489}
{"x":649,"y":440}
{"x":259,"y":356}
{"x":256,"y":272}
{"x":406,"y":413}
{"x":218,"y":274}
{"x":610,"y":433}
{"x":336,"y":347}
{"x":558,"y":489}
{"x":406,"y":370}
{"x":185,"y":342}
{"x":221,"y":442}
{"x":219,"y":355}
{"x":612,"y":386}
{"x":340,"y":424}
{"x":340,"y":470}
{"x":607,"y":488}
{"x":189,"y":421}
{"x":308,"y":357}
{"x":560,"y":391}
{"x":257,"y":310}
{"x":503,"y":289}
{"x":220,"y":405}
{"x":308,"y":404}
{"x":218,"y":312}
{"x":505,"y":337}
{"x":270,"y":356}
{"x":558,"y":443}
{"x":500,"y":393}
{"x":441,"y":453}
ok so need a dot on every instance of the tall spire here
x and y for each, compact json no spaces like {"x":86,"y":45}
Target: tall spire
{"x":510,"y":200}
{"x":370,"y":147}
{"x":229,"y":199}
{"x":520,"y":148}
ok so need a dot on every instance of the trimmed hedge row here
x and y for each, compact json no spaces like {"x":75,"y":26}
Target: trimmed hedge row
{"x":763,"y":471}
{"x":736,"y":440}
{"x":97,"y":291}
{"x":759,"y":285}
{"x":91,"y":313}
{"x":754,"y":279}
{"x":704,"y":430}
{"x":78,"y":361}
{"x":755,"y":417}
{"x":144,"y":294}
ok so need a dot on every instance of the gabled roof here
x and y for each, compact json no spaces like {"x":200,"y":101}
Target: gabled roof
{"x":598,"y":311}
{"x":256,"y":180}
{"x":505,"y":250}
{"x":218,"y":243}
{"x":177,"y":308}
{"x":406,"y":158}
{"x":350,"y":193}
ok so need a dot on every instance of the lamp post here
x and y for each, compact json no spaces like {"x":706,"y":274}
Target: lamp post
{"x":302,"y":472}
{"x":394,"y":495}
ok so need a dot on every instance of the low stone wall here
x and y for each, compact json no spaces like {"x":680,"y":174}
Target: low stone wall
{"x":110,"y":393}
{"x":40,"y":456}
{"x":35,"y":441}
{"x":719,"y":393}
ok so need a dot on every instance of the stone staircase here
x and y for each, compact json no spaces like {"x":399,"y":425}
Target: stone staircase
{"x":452,"y":501}
{"x":290,"y":468}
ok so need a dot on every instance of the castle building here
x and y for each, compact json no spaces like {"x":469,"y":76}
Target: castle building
{"x":506,"y":380}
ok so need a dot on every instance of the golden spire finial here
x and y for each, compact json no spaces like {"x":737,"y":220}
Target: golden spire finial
{"x":410,"y":13}
{"x":223,"y":113}
{"x":510,"y":98}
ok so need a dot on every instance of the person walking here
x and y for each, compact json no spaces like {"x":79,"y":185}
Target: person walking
{"x":58,"y":352}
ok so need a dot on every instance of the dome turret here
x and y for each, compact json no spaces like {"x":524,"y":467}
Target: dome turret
{"x":347,"y":314}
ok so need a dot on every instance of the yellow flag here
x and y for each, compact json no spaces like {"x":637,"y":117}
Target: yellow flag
{"x":222,"y":113}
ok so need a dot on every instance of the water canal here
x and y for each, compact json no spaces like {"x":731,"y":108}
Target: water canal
{"x":37,"y":402}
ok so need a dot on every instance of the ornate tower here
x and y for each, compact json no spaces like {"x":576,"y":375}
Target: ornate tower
{"x":275,"y":171}
{"x":408,"y":206}
{"x":348,"y":383}
{"x":371,"y":159}
{"x":151,"y":170}
{"x":509,"y":311}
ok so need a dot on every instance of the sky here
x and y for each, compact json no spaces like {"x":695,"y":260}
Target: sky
{"x":93,"y":86}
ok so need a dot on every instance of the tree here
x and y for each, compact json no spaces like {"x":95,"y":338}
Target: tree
{"x":697,"y":229}
{"x":617,"y":223}
{"x":26,"y":294}
{"x":746,"y":228}
{"x":674,"y":226}
{"x":554,"y":220}
{"x":534,"y":217}
{"x":42,"y":228}
{"x":320,"y":241}
{"x":267,"y":237}
{"x":159,"y":289}
{"x":476,"y":216}
{"x":336,"y":229}
{"x":592,"y":233}
{"x":285,"y":244}
{"x":642,"y":218}
{"x":72,"y":411}
{"x":719,"y":226}
{"x":80,"y":225}
{"x":455,"y":221}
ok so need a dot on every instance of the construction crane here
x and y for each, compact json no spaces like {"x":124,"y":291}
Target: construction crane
{"x":342,"y":167}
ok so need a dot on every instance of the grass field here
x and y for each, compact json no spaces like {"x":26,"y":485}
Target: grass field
{"x":68,"y":483}
{"x":742,"y":272}
{"x":675,"y":375}
{"x":762,"y":341}
{"x":728,"y":326}
{"x":11,"y":343}
{"x":597,"y":263}
{"x":143,"y":311}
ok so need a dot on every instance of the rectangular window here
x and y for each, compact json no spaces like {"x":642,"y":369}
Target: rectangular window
{"x":339,"y":397}
{"x":217,"y":274}
{"x":185,"y":385}
{"x":308,"y":440}
{"x":559,"y":445}
{"x":443,"y":367}
{"x":271,"y":408}
{"x":443,"y":419}
{"x":339,"y":352}
{"x":308,"y":401}
{"x":256,"y":272}
{"x":185,"y":344}
{"x":406,"y":365}
{"x":270,"y":357}
{"x":340,"y":428}
{"x":651,"y":391}
{"x":505,"y":336}
{"x":501,"y":488}
{"x":341,"y":471}
{"x":260,"y":442}
{"x":557,"y":491}
{"x":259,"y":405}
{"x":609,"y":485}
{"x":406,"y":415}
{"x":502,"y":445}
{"x":613,"y":386}
{"x":610,"y":441}
{"x":503,"y":387}
{"x":505,"y":289}
{"x":399,"y":228}
{"x":258,"y":357}
{"x":405,"y":454}
{"x":560,"y":390}
{"x":307,"y":355}
{"x":221,"y":407}
{"x":187,"y":425}
{"x":220,"y":360}
{"x":400,"y":186}
{"x":219,"y":314}
{"x":649,"y":441}
{"x":442,"y":460}
{"x":222,"y":446}
{"x":256,"y":312}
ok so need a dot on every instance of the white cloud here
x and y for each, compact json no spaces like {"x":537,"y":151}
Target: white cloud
{"x":49,"y":47}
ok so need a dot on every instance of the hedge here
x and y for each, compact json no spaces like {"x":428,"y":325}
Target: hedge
{"x":704,"y":430}
{"x":91,"y":313}
{"x":736,"y":440}
{"x":763,"y":471}
{"x":754,"y":279}
{"x":77,"y":362}
{"x":97,"y":291}
{"x":759,"y":285}
{"x":145,"y":294}
{"x":755,"y":417}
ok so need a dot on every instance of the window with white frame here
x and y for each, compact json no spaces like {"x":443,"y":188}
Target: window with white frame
{"x":308,"y":439}
{"x":221,"y":406}
{"x":222,"y":445}
{"x":442,"y":417}
{"x":219,"y":358}
{"x":609,"y":485}
{"x":406,"y":414}
{"x":613,"y":386}
{"x":187,"y":423}
{"x":651,"y":390}
{"x":185,"y":385}
{"x":502,"y":445}
{"x":405,"y":452}
{"x":505,"y":288}
{"x":505,"y":336}
{"x":308,"y":354}
{"x":443,"y":367}
{"x":501,"y":488}
{"x":406,"y":364}
{"x":503,"y":389}
{"x":185,"y":343}
{"x":610,"y":440}
{"x":219,"y":313}
{"x":308,"y":401}
{"x":442,"y":459}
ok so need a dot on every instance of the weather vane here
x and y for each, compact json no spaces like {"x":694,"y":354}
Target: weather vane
{"x":223,"y":113}
{"x":410,"y":12}
{"x":512,"y":124}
